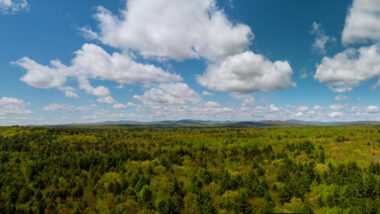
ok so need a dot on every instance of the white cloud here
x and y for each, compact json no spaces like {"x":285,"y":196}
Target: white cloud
{"x":165,"y":103}
{"x":176,"y":101}
{"x":321,"y":39}
{"x":273,"y":108}
{"x":318,"y":107}
{"x":336,"y":107}
{"x":123,"y":106}
{"x":372,"y":109}
{"x":304,"y":73}
{"x":349,"y":68}
{"x":362,"y":23}
{"x":54,"y":107}
{"x":99,"y":91}
{"x":106,"y":99}
{"x":163,"y":30}
{"x":207,"y":93}
{"x":299,"y":114}
{"x":245,"y":99}
{"x":120,"y":86}
{"x":341,"y":97}
{"x":177,"y":30}
{"x":40,"y":76}
{"x":335,"y":114}
{"x":92,"y":62}
{"x":197,"y":29}
{"x":362,"y":113}
{"x":13,"y":106}
{"x":247,"y":72}
{"x":355,"y":109}
{"x":213,"y":111}
{"x":211,"y":104}
{"x":88,"y":33}
{"x":120,"y":106}
{"x":302,"y":108}
{"x":169,"y":94}
{"x":12,"y":6}
{"x":71,"y":94}
{"x":171,"y":112}
{"x":249,"y":101}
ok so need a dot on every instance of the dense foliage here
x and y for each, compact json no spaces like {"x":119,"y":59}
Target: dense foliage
{"x":190,"y":170}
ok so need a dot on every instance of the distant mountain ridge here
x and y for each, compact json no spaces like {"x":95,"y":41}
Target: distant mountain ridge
{"x":262,"y":123}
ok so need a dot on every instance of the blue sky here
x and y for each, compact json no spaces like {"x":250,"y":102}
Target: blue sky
{"x":148,"y":60}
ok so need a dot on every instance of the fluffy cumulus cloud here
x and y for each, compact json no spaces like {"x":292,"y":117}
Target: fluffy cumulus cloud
{"x":92,"y":62}
{"x":303,"y":113}
{"x":95,"y":63}
{"x":321,"y":39}
{"x":159,"y":30}
{"x":71,"y":94}
{"x":273,"y":108}
{"x":336,"y":114}
{"x":355,"y":109}
{"x":169,"y":94}
{"x":163,"y":30}
{"x":175,"y":101}
{"x":211,"y":104}
{"x":372,"y":109}
{"x":245,"y":99}
{"x":194,"y":112}
{"x":362,"y":23}
{"x":13,"y":106}
{"x":214,"y":111}
{"x":336,"y":107}
{"x":202,"y":31}
{"x":368,"y":113}
{"x":41,"y":76}
{"x":53,"y":107}
{"x":349,"y":68}
{"x":123,"y":106}
{"x":178,"y":101}
{"x":12,"y":6}
{"x":207,"y":93}
{"x":303,"y":108}
{"x":172,"y":29}
{"x":247,"y":72}
{"x":341,"y":97}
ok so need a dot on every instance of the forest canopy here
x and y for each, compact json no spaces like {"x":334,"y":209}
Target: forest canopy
{"x":190,"y":170}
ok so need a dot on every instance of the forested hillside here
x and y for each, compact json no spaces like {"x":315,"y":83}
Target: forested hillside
{"x":190,"y":170}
